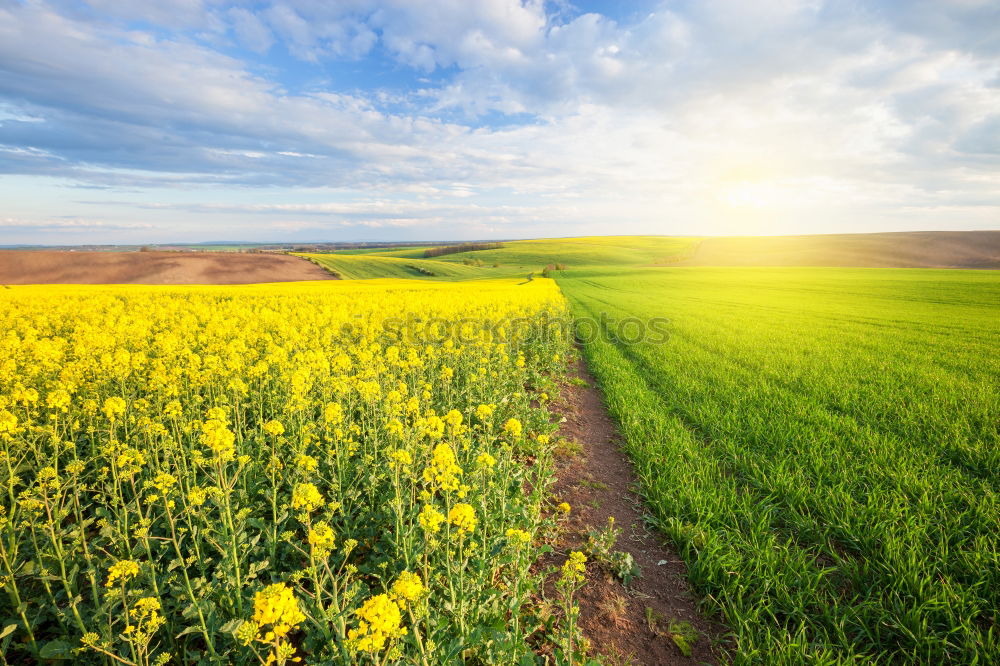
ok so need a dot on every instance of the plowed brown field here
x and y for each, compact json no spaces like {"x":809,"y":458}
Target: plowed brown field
{"x":66,"y":267}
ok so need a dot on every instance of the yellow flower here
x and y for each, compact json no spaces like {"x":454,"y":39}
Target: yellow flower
{"x":463,"y":516}
{"x":434,"y":427}
{"x":321,"y":538}
{"x":399,"y":457}
{"x":563,"y":507}
{"x":379,"y":621}
{"x":130,"y":461}
{"x":219,"y":438}
{"x":513,"y":427}
{"x":163,"y":482}
{"x":196,"y":496}
{"x":485,"y":460}
{"x":276,"y":605}
{"x":333,"y":414}
{"x":518,"y":536}
{"x":217,"y":413}
{"x":430,"y":519}
{"x":484,"y":412}
{"x":8,"y":424}
{"x":247,"y":632}
{"x":59,"y":400}
{"x":146,"y":615}
{"x":454,"y":420}
{"x":125,"y":570}
{"x":408,"y":586}
{"x":48,"y":478}
{"x":574,"y":568}
{"x":394,"y":428}
{"x":274,"y":428}
{"x":113,"y":407}
{"x":307,"y":464}
{"x":443,"y":471}
{"x":306,"y":497}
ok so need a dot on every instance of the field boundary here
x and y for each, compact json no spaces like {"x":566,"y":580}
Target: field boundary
{"x":646,"y":621}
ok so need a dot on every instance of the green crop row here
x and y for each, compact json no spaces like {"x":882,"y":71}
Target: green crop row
{"x":822,"y":447}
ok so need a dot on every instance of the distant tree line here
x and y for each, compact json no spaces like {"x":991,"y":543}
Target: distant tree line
{"x":463,"y":247}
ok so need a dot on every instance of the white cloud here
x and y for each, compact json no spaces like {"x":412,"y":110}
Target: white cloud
{"x":250,"y":30}
{"x":70,"y":225}
{"x":697,"y":116}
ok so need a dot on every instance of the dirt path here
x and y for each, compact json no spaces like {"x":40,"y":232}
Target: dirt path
{"x":637,"y":622}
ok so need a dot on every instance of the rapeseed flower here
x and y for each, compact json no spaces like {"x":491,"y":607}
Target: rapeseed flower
{"x":408,"y":586}
{"x":520,"y":537}
{"x":463,"y":516}
{"x":379,"y":622}
{"x":274,"y":428}
{"x":306,"y":497}
{"x":58,"y":400}
{"x":276,"y":606}
{"x":306,"y":463}
{"x":399,"y":457}
{"x":443,"y":472}
{"x":124,"y":571}
{"x":513,"y":427}
{"x":321,"y":539}
{"x":146,"y":616}
{"x":113,"y":407}
{"x":574,"y":568}
{"x":430,"y":519}
{"x":8,"y":424}
{"x":216,"y":435}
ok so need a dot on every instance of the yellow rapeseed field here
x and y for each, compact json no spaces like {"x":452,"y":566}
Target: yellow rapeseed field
{"x":349,"y":472}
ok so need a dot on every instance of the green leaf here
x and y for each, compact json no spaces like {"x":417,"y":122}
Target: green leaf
{"x":190,"y":629}
{"x":56,"y":650}
{"x":9,"y":629}
{"x":231,"y":626}
{"x":681,"y":644}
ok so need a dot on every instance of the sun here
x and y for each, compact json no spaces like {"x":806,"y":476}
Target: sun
{"x":750,"y":194}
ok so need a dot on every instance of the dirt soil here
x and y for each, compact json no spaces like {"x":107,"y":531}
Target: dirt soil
{"x":910,"y":249}
{"x":65,"y":267}
{"x":598,"y":483}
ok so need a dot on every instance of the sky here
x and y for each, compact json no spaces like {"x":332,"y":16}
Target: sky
{"x":320,"y":120}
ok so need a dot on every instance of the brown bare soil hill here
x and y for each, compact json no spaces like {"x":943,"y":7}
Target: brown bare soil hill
{"x":913,"y":249}
{"x":64,"y":267}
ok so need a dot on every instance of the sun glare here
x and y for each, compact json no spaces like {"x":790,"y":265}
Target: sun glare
{"x":750,"y":194}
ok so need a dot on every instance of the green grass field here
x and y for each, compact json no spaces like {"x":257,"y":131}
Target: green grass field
{"x":369,"y":266}
{"x":514,"y":259}
{"x":822,"y":447}
{"x":820,"y":444}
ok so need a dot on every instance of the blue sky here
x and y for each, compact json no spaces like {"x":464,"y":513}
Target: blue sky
{"x":201,"y":120}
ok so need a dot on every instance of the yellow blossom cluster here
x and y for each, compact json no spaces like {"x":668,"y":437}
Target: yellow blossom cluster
{"x":168,"y":454}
